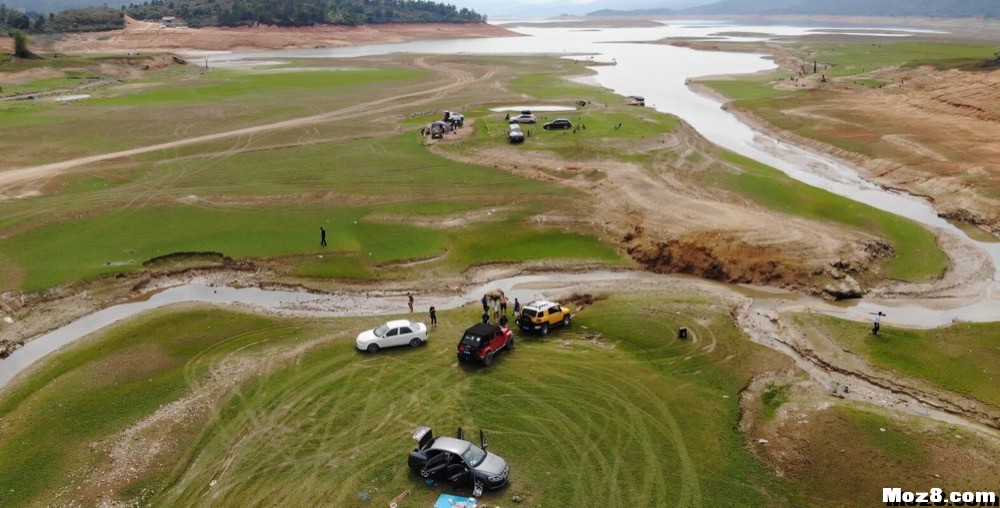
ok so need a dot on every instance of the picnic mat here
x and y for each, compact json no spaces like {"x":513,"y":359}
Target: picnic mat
{"x":448,"y":501}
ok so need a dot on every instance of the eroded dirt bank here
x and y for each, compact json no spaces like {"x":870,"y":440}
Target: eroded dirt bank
{"x":145,"y":36}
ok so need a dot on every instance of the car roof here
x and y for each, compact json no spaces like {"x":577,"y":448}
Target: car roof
{"x":398,"y":323}
{"x":539,"y":304}
{"x":482,"y":330}
{"x":450,"y":444}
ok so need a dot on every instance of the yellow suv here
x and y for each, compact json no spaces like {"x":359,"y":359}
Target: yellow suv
{"x":542,"y":316}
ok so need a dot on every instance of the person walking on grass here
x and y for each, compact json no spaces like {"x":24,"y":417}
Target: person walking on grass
{"x":409,"y":298}
{"x":322,"y":237}
{"x":503,"y":304}
{"x":496,"y":309}
{"x":434,"y":317}
{"x":486,"y":303}
{"x":878,"y":321}
{"x":517,"y":308}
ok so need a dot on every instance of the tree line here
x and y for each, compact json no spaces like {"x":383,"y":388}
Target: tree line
{"x":198,"y":13}
{"x":91,"y":19}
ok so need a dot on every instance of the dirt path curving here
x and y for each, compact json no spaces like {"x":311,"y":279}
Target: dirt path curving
{"x":456,"y":79}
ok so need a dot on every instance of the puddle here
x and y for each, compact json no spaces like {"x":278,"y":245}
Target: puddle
{"x":67,"y":98}
{"x":916,"y":315}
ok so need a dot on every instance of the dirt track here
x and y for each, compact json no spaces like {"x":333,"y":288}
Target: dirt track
{"x":457,"y":79}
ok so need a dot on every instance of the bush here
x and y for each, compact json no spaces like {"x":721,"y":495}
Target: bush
{"x":21,"y":44}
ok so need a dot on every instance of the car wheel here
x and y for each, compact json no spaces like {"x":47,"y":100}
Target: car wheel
{"x":545,"y":329}
{"x":566,"y":321}
{"x":489,"y":359}
{"x":510,"y":343}
{"x":414,"y":342}
{"x":372,"y":348}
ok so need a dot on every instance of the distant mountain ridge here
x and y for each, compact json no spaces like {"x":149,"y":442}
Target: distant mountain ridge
{"x":636,"y":12}
{"x":887,"y":8}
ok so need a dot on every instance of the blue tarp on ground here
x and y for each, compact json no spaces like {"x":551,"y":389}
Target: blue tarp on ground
{"x":448,"y":501}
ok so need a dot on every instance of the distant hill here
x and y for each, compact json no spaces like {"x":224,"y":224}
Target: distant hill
{"x":198,"y":13}
{"x":919,"y":8}
{"x":889,"y":8}
{"x":636,"y":12}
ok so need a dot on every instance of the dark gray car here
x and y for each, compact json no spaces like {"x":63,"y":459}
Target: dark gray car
{"x":455,"y":460}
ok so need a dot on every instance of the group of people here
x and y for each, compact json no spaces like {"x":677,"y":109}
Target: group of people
{"x":499,"y":306}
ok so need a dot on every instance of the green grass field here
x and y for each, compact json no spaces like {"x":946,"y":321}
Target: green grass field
{"x":265,"y":197}
{"x":221,"y":85}
{"x":574,"y":429}
{"x":917,"y":255}
{"x":961,"y":358}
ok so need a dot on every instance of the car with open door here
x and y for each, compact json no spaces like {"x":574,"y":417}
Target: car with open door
{"x":457,"y":461}
{"x":402,"y":332}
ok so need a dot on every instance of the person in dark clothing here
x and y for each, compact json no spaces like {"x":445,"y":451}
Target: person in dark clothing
{"x":409,"y":297}
{"x":878,"y":322}
{"x":322,"y":236}
{"x":503,"y":321}
{"x":517,"y":308}
{"x":434,"y":317}
{"x":486,"y":317}
{"x":486,"y":303}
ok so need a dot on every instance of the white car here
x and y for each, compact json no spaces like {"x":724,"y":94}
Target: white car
{"x":524,"y":118}
{"x":393,"y":333}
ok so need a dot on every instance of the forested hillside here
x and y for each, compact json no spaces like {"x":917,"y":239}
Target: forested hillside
{"x":91,"y":19}
{"x":197,"y":13}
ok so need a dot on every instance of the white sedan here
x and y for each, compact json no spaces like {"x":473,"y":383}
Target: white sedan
{"x":394,"y":333}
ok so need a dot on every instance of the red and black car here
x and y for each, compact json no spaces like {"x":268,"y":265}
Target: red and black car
{"x":482,"y":342}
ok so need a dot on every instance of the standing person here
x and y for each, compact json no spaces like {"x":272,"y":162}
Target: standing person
{"x":503,"y":304}
{"x":409,"y":297}
{"x":322,"y":237}
{"x":496,"y":309}
{"x":486,"y":303}
{"x":503,"y":321}
{"x":878,"y":321}
{"x":517,"y":308}
{"x":434,"y":317}
{"x":486,"y":317}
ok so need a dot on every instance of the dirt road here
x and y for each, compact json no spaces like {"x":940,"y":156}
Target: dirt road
{"x":456,"y":79}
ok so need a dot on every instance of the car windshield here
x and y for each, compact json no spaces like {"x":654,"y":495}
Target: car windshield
{"x":529,"y":312}
{"x":380,"y":331}
{"x":474,"y":455}
{"x":472,"y":340}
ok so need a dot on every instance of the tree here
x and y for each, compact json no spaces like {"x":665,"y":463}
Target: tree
{"x":21,"y":45}
{"x":39,"y":23}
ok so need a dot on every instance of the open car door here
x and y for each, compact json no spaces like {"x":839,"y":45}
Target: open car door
{"x":482,"y":440}
{"x":424,"y":437}
{"x":460,"y":434}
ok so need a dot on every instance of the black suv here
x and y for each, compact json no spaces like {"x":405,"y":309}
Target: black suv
{"x":558,"y":123}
